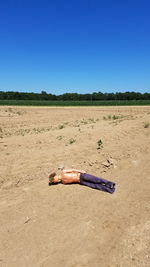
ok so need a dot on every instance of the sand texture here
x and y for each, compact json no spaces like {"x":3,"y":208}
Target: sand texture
{"x":74,"y":225}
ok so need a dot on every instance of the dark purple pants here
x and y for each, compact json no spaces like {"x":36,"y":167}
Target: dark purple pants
{"x":97,"y":183}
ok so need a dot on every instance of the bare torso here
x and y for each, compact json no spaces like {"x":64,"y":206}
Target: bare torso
{"x":67,"y":176}
{"x":71,"y":176}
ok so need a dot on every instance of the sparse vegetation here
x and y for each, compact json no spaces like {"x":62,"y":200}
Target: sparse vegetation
{"x":99,"y":144}
{"x":88,"y":121}
{"x":92,"y":120}
{"x":71,"y":141}
{"x":19,"y":113}
{"x":84,"y":121}
{"x":112,"y":117}
{"x":146,"y":125}
{"x":1,"y":131}
{"x":14,"y":111}
{"x":60,"y":137}
{"x":61,"y":126}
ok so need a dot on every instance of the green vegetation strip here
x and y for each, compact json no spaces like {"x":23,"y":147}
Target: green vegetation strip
{"x":73,"y":103}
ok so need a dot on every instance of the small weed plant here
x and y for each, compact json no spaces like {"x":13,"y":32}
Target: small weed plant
{"x":1,"y":131}
{"x":60,"y":137}
{"x":114,"y":117}
{"x":99,"y":144}
{"x":146,"y":125}
{"x":91,"y":120}
{"x":84,"y":121}
{"x":71,"y":141}
{"x":61,"y":126}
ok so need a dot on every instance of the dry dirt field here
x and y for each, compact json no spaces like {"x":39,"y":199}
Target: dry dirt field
{"x":74,"y":225}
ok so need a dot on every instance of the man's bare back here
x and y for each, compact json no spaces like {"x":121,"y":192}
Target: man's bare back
{"x":67,"y":176}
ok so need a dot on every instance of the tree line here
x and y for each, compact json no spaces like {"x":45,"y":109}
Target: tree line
{"x":10,"y":95}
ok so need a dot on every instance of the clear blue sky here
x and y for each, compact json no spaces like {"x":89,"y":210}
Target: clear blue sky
{"x":74,"y":46}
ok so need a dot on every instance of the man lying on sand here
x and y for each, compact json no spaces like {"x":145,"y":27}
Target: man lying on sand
{"x":71,"y":176}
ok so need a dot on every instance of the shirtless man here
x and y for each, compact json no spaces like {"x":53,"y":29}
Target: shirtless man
{"x":69,"y":176}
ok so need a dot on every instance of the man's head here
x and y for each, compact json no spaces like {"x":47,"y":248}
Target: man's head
{"x":51,"y":178}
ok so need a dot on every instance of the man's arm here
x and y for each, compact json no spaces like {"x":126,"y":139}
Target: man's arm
{"x":73,"y":170}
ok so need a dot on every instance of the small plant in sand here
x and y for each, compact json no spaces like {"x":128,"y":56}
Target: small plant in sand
{"x":71,"y":141}
{"x":146,"y":125}
{"x":91,"y":120}
{"x":83,"y":121}
{"x":114,"y":117}
{"x":19,"y":113}
{"x":1,"y":133}
{"x":99,"y":144}
{"x":37,"y":130}
{"x":76,"y":124}
{"x":60,"y":137}
{"x":107,"y":118}
{"x":61,"y":126}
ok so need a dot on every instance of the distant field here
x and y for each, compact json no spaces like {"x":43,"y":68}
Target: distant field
{"x":73,"y":103}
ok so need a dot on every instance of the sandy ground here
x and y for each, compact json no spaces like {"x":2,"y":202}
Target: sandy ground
{"x":74,"y":225}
